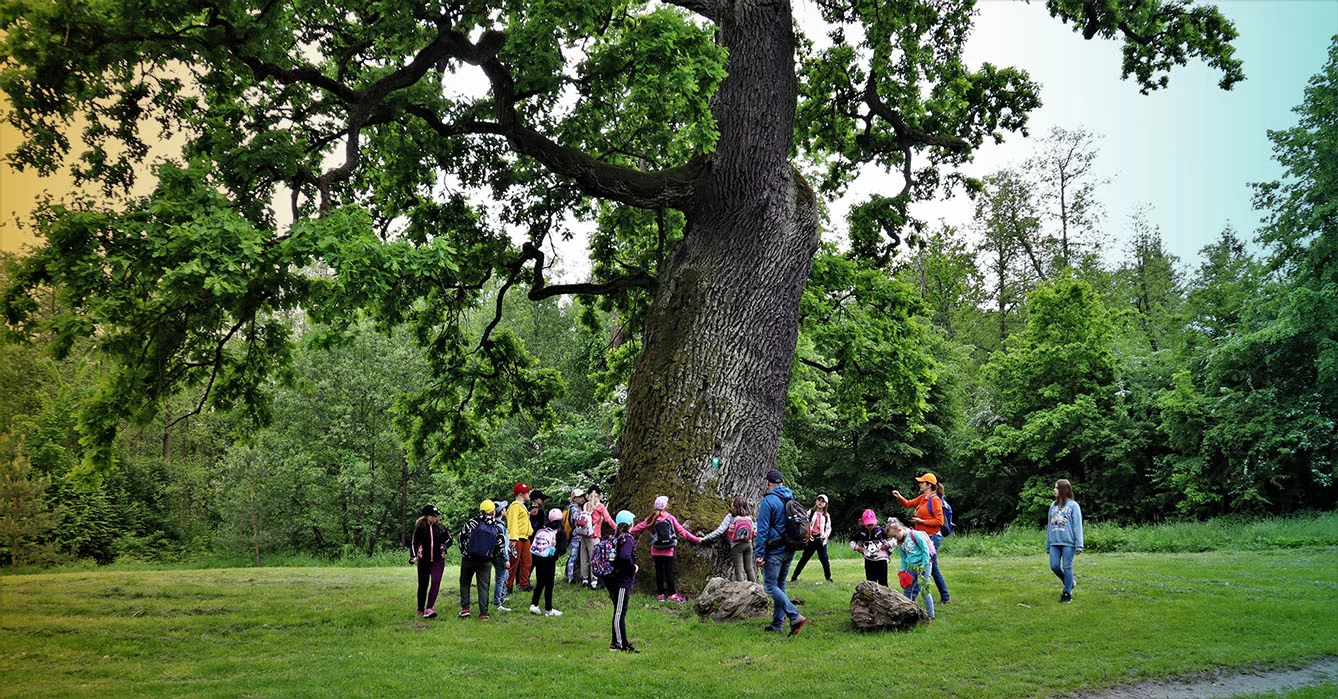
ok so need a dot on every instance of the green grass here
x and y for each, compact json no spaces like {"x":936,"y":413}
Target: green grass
{"x":350,"y":631}
{"x":1225,"y":533}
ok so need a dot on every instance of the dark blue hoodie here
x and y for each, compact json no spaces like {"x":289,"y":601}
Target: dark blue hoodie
{"x":771,"y":520}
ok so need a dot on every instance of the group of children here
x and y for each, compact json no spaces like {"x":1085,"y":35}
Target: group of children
{"x":503,"y":543}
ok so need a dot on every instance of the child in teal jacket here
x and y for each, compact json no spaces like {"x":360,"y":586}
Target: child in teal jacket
{"x":917,"y":553}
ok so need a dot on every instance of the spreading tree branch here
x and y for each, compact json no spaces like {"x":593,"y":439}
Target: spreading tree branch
{"x":667,"y":188}
{"x":710,"y":9}
{"x":907,"y":135}
{"x":822,"y":367}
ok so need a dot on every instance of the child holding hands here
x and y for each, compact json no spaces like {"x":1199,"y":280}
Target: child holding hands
{"x":665,"y":531}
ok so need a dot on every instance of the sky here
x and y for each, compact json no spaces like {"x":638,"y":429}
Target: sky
{"x":1189,"y":151}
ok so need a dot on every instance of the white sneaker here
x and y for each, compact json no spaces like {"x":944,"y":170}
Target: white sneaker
{"x":534,"y":609}
{"x":502,"y":608}
{"x":553,"y":612}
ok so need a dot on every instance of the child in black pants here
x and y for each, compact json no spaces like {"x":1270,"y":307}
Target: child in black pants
{"x":546,"y":548}
{"x":619,"y":583}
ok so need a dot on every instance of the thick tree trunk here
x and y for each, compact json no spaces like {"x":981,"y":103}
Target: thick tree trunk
{"x":404,"y":502}
{"x":255,"y":523}
{"x":167,"y":434}
{"x":720,"y":336}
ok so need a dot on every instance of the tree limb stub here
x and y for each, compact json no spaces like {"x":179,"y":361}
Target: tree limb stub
{"x":822,"y":367}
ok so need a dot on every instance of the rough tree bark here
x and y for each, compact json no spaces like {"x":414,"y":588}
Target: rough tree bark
{"x":721,"y":334}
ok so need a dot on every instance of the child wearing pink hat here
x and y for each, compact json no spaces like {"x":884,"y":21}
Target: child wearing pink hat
{"x":871,"y":541}
{"x":664,"y":533}
{"x":549,"y":543}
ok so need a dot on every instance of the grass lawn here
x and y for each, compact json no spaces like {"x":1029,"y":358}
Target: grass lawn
{"x":351,"y":631}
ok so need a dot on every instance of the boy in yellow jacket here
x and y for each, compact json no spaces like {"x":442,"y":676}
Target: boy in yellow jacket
{"x":519,"y":530}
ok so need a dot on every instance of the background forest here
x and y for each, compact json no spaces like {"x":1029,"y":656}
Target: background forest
{"x":1024,"y":349}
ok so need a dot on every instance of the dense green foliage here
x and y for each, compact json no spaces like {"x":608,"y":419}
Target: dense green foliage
{"x":191,"y":374}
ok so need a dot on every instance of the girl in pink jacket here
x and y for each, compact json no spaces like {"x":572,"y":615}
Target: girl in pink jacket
{"x":819,"y":531}
{"x":664,"y":533}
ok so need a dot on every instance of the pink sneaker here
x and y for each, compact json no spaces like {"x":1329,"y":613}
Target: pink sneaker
{"x":677,"y":598}
{"x":659,"y":598}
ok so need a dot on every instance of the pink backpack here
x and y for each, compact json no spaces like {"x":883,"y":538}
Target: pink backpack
{"x":741,"y":529}
{"x":925,"y":542}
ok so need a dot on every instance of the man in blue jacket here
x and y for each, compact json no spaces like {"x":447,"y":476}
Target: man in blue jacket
{"x":772,"y":553}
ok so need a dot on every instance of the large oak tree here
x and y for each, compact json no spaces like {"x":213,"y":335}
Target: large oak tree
{"x":683,"y":130}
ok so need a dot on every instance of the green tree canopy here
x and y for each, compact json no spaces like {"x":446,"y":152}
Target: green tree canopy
{"x":357,"y":120}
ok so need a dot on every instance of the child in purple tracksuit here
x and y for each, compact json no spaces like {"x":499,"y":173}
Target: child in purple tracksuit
{"x":665,"y":531}
{"x":428,"y":551}
{"x":619,"y":583}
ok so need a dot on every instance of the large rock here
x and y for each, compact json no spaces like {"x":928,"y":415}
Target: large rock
{"x":726,"y":600}
{"x":876,"y":608}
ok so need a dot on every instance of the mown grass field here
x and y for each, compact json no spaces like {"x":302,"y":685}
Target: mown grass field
{"x":351,"y":632}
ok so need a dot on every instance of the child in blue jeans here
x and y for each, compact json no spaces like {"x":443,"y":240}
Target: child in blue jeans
{"x":501,"y":563}
{"x":916,"y":552}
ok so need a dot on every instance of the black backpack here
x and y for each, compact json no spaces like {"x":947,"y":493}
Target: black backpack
{"x":662,"y":535}
{"x":482,"y":543}
{"x":796,"y":525}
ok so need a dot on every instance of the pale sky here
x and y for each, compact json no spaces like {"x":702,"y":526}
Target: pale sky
{"x":1190,"y":151}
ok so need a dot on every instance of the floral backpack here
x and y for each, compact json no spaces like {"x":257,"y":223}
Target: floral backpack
{"x":601,"y":560}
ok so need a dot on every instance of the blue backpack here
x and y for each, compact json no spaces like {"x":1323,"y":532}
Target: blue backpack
{"x":482,"y":542}
{"x":946,"y":529}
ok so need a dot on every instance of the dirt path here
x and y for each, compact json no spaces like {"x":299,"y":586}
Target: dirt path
{"x":1225,"y":684}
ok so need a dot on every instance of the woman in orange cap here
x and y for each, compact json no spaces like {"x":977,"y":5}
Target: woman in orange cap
{"x":929,"y":519}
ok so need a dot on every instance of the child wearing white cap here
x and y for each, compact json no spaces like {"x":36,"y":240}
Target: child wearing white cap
{"x":665,"y":531}
{"x":577,"y":525}
{"x":819,"y":530}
